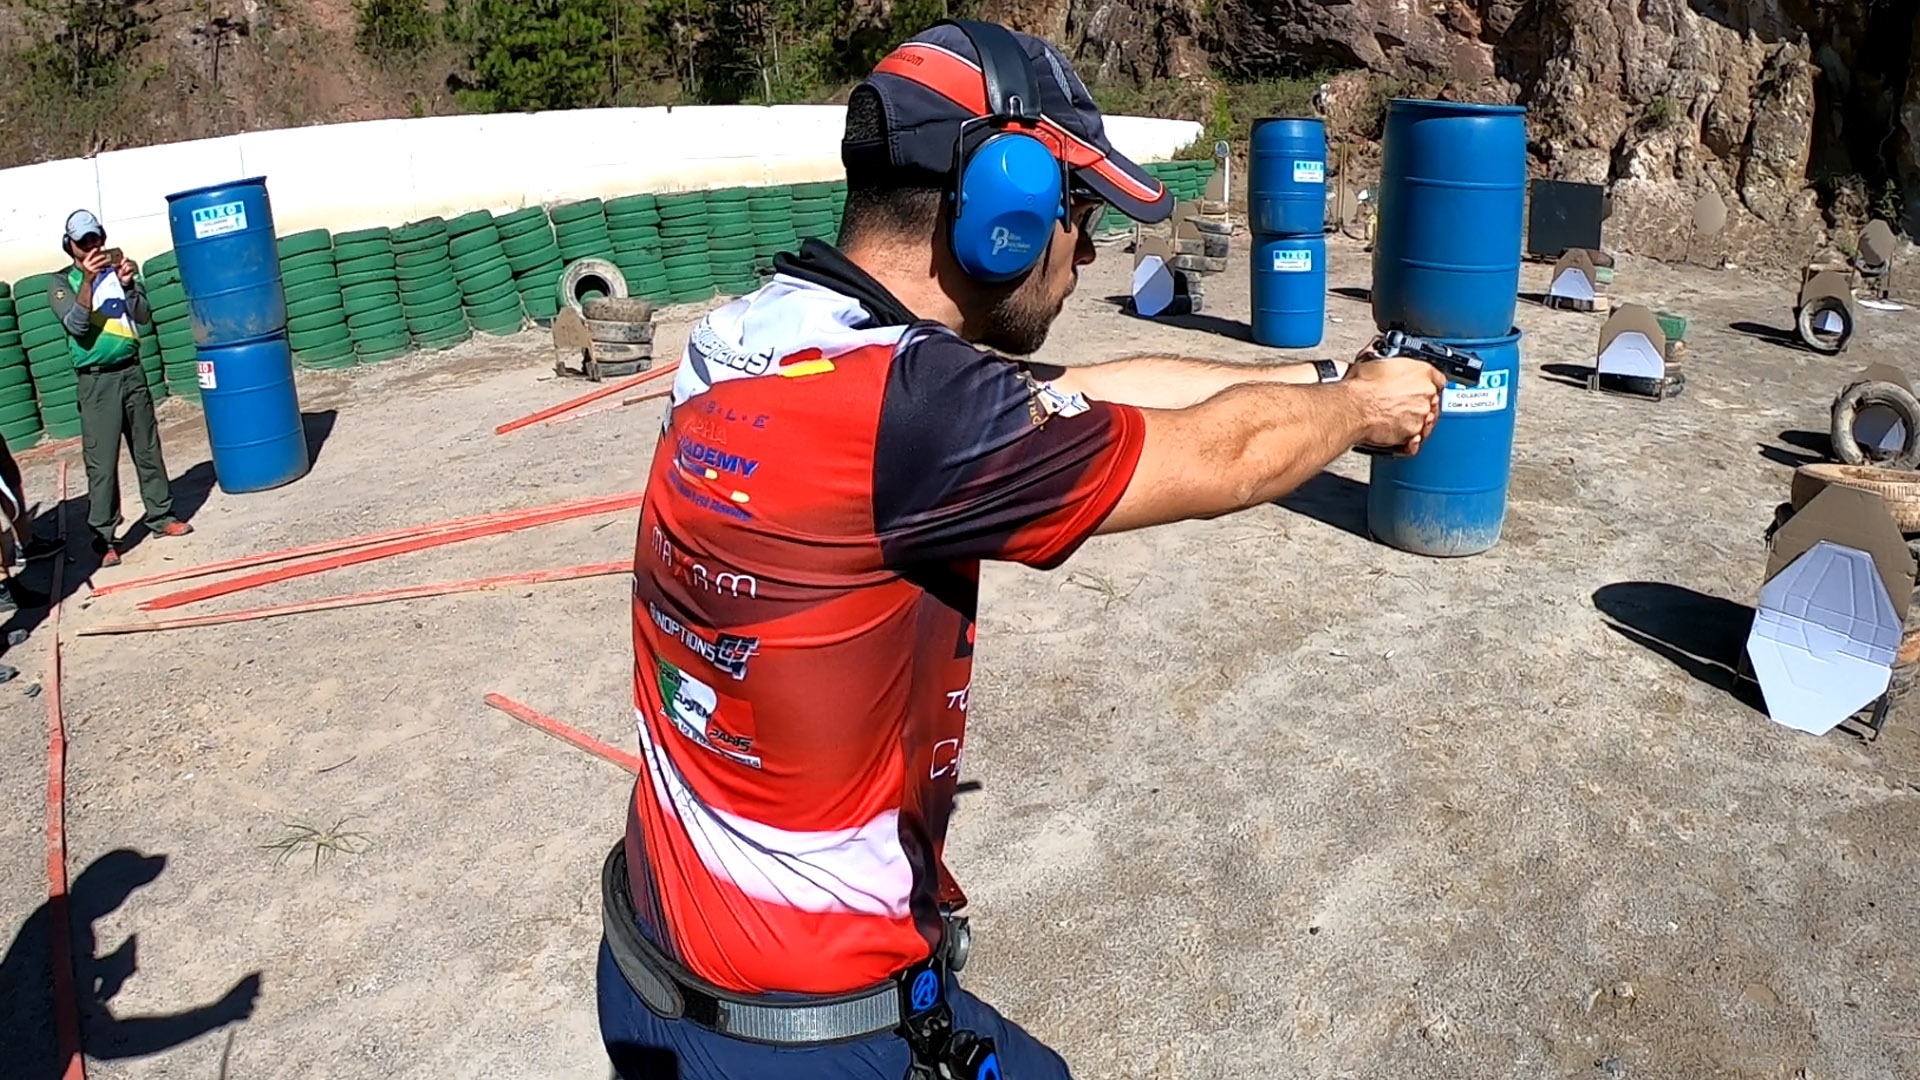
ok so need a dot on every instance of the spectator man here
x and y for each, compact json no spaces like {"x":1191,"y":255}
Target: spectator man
{"x":102,"y":303}
{"x":843,"y":448}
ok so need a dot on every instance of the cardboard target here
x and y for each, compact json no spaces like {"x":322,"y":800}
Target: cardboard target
{"x":1573,"y":277}
{"x":1632,"y":344}
{"x":1877,"y":244}
{"x":1709,"y":213}
{"x":1838,"y":582}
{"x":1152,"y":286}
{"x":1825,"y":283}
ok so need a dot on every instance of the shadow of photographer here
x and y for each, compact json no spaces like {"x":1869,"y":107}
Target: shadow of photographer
{"x":27,"y":1011}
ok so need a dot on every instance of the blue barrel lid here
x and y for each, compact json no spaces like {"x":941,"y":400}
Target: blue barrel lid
{"x":253,"y":180}
{"x":1460,"y":106}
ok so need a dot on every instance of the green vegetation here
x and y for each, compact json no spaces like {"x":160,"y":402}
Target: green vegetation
{"x":560,"y":54}
{"x":1662,"y":112}
{"x":393,"y":32}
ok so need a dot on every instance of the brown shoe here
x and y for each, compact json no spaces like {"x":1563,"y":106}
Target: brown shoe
{"x":173,"y":528}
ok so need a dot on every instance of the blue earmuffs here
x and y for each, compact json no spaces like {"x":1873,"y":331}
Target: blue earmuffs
{"x":1009,"y":189}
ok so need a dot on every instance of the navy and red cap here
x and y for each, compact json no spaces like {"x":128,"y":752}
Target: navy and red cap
{"x":932,"y":83}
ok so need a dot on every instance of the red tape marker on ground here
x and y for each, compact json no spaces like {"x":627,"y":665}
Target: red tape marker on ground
{"x":327,"y":547}
{"x":66,"y":1005}
{"x":418,"y":543}
{"x":383,"y":596}
{"x":584,"y":399}
{"x":561,"y":731}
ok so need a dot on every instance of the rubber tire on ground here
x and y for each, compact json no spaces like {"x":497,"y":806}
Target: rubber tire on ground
{"x":1803,"y":325}
{"x":1846,"y":412}
{"x":583,"y":273}
{"x":620,"y":333}
{"x":1900,"y":490}
{"x":611,"y":353}
{"x":625,"y":309}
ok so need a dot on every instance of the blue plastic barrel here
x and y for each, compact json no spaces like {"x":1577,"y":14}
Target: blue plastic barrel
{"x":1451,"y":497}
{"x":1287,"y":176}
{"x":1446,"y":256}
{"x":1289,"y":290}
{"x":229,"y":266}
{"x":253,"y":414}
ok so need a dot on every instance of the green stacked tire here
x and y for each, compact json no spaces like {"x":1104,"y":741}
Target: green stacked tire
{"x":633,"y":224}
{"x":526,"y":237}
{"x":430,"y":298}
{"x":683,"y":246}
{"x":49,"y":363}
{"x":370,"y":294}
{"x":150,"y":365}
{"x":317,"y":331}
{"x":19,"y":410}
{"x":771,"y":210}
{"x":839,"y":208}
{"x":485,"y":277}
{"x":172,"y":327}
{"x":581,"y":229}
{"x":816,"y":210}
{"x":730,"y":242}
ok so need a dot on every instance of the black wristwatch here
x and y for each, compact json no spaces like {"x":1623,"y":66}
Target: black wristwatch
{"x":1328,"y":370}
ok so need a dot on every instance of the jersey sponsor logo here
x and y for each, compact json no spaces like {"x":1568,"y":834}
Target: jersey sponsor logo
{"x":728,"y":653}
{"x":705,"y":346}
{"x":694,"y":573}
{"x":946,"y":759}
{"x":698,"y":712}
{"x":705,"y":501}
{"x":708,"y":458}
{"x":714,"y":433}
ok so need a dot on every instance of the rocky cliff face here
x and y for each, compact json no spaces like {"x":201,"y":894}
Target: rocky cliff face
{"x":1797,"y":112}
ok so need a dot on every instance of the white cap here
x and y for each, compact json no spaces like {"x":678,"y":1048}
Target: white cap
{"x":82,"y":223}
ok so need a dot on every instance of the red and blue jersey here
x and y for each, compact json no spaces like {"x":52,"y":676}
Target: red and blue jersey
{"x":829,"y":477}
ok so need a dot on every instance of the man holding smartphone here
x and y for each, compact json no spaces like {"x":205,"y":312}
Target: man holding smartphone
{"x":101,"y":302}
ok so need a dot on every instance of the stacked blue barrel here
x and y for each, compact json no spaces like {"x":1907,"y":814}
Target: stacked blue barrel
{"x":230,"y":269}
{"x":1286,"y":213}
{"x":1446,"y":266}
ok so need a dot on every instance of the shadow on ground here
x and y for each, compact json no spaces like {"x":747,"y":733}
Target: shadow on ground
{"x":1786,"y":339}
{"x":1810,"y":447}
{"x":1574,"y":375}
{"x":1701,"y":635}
{"x":1333,"y":499}
{"x":28,"y":1044}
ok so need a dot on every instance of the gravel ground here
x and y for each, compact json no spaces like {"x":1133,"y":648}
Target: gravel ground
{"x":1257,"y":796}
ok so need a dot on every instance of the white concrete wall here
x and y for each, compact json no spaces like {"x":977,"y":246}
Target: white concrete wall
{"x":386,"y":172}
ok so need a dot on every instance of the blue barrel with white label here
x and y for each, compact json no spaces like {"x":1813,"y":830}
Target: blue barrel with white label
{"x":253,"y":414}
{"x":1289,"y":290}
{"x":229,"y":267}
{"x":1287,"y":176}
{"x":1453,"y":192}
{"x":1451,"y":498}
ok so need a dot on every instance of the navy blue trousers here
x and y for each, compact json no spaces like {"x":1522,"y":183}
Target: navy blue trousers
{"x":643,"y":1046}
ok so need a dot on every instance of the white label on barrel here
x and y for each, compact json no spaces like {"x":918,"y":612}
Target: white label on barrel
{"x":1291,"y":261}
{"x":206,"y":375}
{"x":1489,"y":396}
{"x":217,"y":220}
{"x":1309,"y":172}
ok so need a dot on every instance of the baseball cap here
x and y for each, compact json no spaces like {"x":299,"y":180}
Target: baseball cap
{"x":933,"y":82}
{"x":81,"y":224}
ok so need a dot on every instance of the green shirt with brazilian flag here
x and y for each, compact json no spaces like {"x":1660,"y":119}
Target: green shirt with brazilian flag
{"x":111,"y":335}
